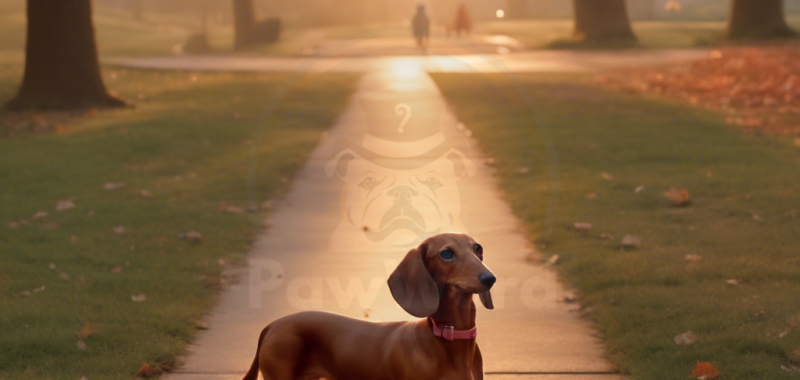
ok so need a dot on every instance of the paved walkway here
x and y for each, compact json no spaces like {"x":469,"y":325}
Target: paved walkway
{"x":396,"y":166}
{"x":456,"y":59}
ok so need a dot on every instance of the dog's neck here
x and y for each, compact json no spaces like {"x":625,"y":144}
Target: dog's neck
{"x":456,"y":309}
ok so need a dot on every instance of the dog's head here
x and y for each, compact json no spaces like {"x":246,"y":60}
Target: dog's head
{"x":452,"y":261}
{"x":405,"y":203}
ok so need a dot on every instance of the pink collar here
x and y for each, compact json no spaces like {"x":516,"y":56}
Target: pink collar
{"x":450,"y":333}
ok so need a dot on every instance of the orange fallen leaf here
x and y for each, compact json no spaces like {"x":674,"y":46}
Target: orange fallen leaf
{"x":705,"y":371}
{"x":145,"y":371}
{"x":116,"y":269}
{"x":86,"y":331}
{"x":678,"y":197}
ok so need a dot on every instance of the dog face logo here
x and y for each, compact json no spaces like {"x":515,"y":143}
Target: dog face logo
{"x":400,"y":183}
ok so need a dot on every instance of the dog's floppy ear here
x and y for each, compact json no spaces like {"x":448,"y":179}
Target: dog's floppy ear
{"x":486,"y":300}
{"x":412,"y":286}
{"x":461,"y":163}
{"x":338,"y":164}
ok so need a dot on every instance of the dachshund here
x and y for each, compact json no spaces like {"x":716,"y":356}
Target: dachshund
{"x":435,"y":281}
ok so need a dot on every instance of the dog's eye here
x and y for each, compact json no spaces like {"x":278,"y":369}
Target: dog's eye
{"x":432,"y":183}
{"x":478,"y":251}
{"x":447,"y":254}
{"x":369,"y":183}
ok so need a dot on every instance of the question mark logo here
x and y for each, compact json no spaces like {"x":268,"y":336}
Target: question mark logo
{"x":404,"y":110}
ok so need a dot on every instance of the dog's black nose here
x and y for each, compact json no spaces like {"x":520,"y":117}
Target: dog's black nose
{"x":487,"y":279}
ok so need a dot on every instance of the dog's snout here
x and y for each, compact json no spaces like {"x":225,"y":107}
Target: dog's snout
{"x":487,"y":279}
{"x":402,"y":192}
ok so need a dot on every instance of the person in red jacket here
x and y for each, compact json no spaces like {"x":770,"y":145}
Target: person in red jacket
{"x":462,"y":22}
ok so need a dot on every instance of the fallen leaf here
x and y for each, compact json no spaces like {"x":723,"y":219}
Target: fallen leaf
{"x":90,"y":213}
{"x":678,"y":197}
{"x":51,"y":226}
{"x":686,"y":339}
{"x":146,"y":194}
{"x":705,"y":371}
{"x":39,"y":289}
{"x":81,"y":345}
{"x":757,"y":217}
{"x":552,"y":260}
{"x":63,"y":276}
{"x":606,"y":236}
{"x":221,"y":262}
{"x":784,"y":333}
{"x":795,"y":355}
{"x":139,"y":298}
{"x":192,"y":236}
{"x":591,"y":196}
{"x":790,"y":368}
{"x":631,"y":241}
{"x":86,"y":330}
{"x":583,"y":226}
{"x":51,"y":266}
{"x":114,"y":185}
{"x":230,"y":208}
{"x":119,"y":229}
{"x":116,"y":269}
{"x":13,"y":225}
{"x":39,"y":215}
{"x":145,"y":371}
{"x":692,"y":257}
{"x":732,"y":281}
{"x":606,"y":176}
{"x":64,"y":205}
{"x":73,"y":238}
{"x":523,"y":170}
{"x":638,"y":189}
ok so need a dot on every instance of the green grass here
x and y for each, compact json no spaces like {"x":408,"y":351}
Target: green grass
{"x":742,"y":219}
{"x":188,"y":142}
{"x":539,"y":34}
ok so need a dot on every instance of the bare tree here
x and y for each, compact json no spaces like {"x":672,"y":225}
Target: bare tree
{"x":244,"y":20}
{"x":758,"y":19}
{"x":602,"y":20}
{"x":61,"y":65}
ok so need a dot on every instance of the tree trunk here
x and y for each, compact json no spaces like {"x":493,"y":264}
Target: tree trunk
{"x":244,"y":21}
{"x":602,"y":20}
{"x":61,"y":65}
{"x":758,"y":19}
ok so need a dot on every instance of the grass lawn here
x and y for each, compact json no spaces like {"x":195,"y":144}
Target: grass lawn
{"x":742,"y":220}
{"x":539,"y":34}
{"x":70,"y":276}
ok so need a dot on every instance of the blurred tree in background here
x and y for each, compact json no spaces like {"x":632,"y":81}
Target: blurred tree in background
{"x":61,"y":65}
{"x":602,"y":20}
{"x":758,"y":19}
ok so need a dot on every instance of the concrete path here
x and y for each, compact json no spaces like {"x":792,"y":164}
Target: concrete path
{"x":462,"y":58}
{"x":395,"y":168}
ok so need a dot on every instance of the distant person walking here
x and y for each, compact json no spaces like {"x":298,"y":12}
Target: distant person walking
{"x":421,"y":27}
{"x":462,"y":22}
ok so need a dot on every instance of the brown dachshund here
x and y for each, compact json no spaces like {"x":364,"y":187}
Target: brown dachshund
{"x":435,"y":280}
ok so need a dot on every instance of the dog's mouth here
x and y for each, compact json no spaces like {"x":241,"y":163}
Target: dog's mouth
{"x":471,"y":291}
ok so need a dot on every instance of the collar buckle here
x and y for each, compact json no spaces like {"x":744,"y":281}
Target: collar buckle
{"x":452,"y":330}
